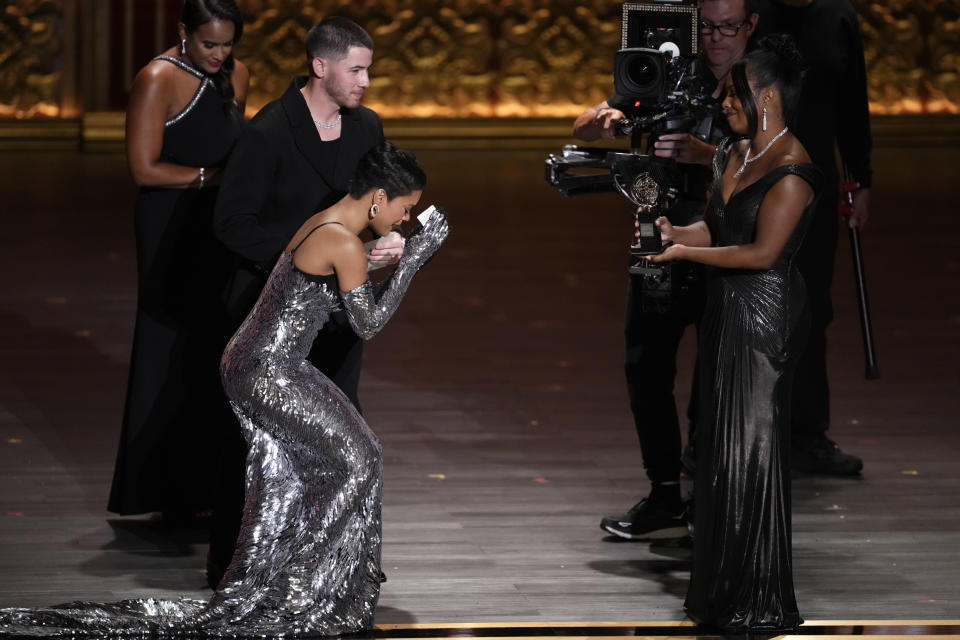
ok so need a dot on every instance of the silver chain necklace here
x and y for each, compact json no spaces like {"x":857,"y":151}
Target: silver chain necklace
{"x":747,"y":159}
{"x":323,"y":125}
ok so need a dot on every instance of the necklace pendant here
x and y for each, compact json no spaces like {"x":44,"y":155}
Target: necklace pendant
{"x":743,"y":165}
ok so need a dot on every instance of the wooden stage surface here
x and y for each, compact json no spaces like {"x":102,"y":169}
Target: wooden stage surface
{"x":498,"y":393}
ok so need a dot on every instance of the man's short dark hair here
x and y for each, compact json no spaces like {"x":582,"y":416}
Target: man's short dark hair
{"x":332,"y":37}
{"x":749,"y":7}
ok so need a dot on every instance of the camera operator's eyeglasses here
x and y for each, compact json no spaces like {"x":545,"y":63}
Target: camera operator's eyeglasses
{"x":728,"y":30}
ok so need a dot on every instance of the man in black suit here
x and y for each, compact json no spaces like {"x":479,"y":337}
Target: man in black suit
{"x":294,"y":159}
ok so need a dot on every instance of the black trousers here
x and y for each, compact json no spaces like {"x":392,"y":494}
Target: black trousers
{"x":337,"y":352}
{"x":815,"y":260}
{"x":651,"y":340}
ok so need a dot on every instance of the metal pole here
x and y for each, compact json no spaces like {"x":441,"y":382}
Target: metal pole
{"x":872,"y":372}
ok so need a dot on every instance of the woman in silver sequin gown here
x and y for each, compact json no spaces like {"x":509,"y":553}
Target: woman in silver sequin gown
{"x":753,"y":328}
{"x":308,"y":555}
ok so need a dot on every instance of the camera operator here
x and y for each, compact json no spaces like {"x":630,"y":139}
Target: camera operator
{"x":653,"y":335}
{"x":834,"y":116}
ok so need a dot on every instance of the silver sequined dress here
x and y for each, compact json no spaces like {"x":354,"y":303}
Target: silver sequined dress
{"x":307,"y":560}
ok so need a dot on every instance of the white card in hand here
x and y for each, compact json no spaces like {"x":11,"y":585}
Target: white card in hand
{"x":425,"y":215}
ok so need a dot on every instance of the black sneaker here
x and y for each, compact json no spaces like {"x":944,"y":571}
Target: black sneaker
{"x":823,"y":457}
{"x":645,"y":521}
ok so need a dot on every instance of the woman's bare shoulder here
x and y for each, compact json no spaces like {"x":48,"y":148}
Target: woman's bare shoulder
{"x":156,"y":71}
{"x":328,"y":236}
{"x":318,"y":248}
{"x":156,"y":82}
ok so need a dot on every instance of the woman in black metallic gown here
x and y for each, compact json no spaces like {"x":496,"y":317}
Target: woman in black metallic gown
{"x":752,"y":331}
{"x":307,"y":560}
{"x":185,"y":112}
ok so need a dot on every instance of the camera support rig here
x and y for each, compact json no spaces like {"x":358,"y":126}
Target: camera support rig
{"x":648,"y":182}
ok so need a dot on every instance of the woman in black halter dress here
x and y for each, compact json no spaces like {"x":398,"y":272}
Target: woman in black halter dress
{"x":752,"y":331}
{"x":185,"y":112}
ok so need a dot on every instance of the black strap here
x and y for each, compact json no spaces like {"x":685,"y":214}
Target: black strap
{"x":804,"y":170}
{"x":311,"y":231}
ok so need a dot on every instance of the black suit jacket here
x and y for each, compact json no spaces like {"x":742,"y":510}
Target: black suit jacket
{"x":275,"y":179}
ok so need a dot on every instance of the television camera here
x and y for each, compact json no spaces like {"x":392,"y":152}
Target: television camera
{"x":659,"y":91}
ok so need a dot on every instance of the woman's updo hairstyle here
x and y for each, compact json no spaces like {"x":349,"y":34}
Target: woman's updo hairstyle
{"x":396,"y":171}
{"x":775,"y":61}
{"x":199,"y":12}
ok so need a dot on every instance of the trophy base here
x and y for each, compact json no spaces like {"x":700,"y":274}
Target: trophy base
{"x":655,"y":286}
{"x":652,"y":248}
{"x":640,"y":266}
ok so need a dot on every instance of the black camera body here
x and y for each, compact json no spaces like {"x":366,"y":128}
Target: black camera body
{"x":654,"y":72}
{"x":658,"y":40}
{"x":657,"y":88}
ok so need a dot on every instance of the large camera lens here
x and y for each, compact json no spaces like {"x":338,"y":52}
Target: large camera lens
{"x":640,"y":74}
{"x":642,"y":71}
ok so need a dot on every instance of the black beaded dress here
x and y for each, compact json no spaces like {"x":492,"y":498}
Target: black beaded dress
{"x":752,"y":331}
{"x":174,"y":408}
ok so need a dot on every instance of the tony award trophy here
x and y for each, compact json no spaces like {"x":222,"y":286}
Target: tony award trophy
{"x":644,"y":180}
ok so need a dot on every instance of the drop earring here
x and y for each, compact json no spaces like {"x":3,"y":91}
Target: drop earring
{"x":374,"y":210}
{"x":764,"y":125}
{"x":183,"y":47}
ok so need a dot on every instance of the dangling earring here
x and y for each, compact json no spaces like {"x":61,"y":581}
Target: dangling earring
{"x":183,"y":47}
{"x":764,"y":125}
{"x":374,"y":210}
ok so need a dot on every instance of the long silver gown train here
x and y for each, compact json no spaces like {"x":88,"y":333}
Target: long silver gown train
{"x":308,"y":556}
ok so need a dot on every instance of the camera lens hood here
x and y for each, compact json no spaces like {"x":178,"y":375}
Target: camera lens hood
{"x":640,"y":73}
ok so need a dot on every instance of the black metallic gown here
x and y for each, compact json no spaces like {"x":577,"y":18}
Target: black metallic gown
{"x":753,"y":327}
{"x":307,"y":560}
{"x":166,"y":458}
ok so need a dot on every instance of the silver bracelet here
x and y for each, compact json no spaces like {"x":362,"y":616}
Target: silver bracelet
{"x":203,"y":177}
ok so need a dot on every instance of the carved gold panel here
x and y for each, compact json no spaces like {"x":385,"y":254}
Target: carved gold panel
{"x":911,"y":50}
{"x":476,"y":58}
{"x":542,"y":58}
{"x":31,"y":44}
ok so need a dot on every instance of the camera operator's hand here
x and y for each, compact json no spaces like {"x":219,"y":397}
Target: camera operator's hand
{"x":607,"y":119}
{"x":684,"y":147}
{"x":597,"y":122}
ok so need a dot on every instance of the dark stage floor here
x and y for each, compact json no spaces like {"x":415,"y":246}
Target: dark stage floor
{"x":498,"y":393}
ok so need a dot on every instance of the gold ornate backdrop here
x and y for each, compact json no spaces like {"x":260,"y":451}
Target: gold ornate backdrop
{"x":459,"y":58}
{"x":32,"y":70}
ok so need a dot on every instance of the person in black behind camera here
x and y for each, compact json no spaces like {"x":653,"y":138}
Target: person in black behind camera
{"x":834,"y":113}
{"x":653,"y":335}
